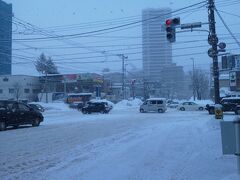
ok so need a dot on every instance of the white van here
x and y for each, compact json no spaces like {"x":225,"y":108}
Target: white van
{"x":154,"y":105}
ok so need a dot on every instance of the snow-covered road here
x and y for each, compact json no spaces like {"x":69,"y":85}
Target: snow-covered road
{"x":121,"y":145}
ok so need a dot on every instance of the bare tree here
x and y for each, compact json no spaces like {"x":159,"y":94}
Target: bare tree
{"x":200,"y":84}
{"x":46,"y":66}
{"x":17,"y":91}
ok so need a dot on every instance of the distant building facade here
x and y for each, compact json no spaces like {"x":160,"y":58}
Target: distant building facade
{"x":5,"y":38}
{"x":157,"y":51}
{"x":19,"y":87}
{"x":229,"y":75}
{"x":162,"y":78}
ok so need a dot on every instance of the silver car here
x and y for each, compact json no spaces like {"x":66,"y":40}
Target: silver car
{"x":154,"y":105}
{"x":190,"y":106}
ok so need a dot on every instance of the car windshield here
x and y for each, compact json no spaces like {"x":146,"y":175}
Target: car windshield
{"x":118,"y":89}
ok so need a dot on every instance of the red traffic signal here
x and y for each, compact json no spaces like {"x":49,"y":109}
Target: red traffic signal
{"x":171,"y":29}
{"x":173,"y":22}
{"x":168,"y":22}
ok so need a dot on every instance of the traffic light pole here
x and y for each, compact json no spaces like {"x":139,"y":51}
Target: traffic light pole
{"x":213,"y":41}
{"x":123,"y":74}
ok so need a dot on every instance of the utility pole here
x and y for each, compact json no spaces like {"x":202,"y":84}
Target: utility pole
{"x":123,"y":74}
{"x":193,"y":78}
{"x":65,"y":86}
{"x":213,"y":41}
{"x":125,"y":77}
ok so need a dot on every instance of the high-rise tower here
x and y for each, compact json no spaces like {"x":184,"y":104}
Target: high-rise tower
{"x":157,"y":51}
{"x":5,"y":38}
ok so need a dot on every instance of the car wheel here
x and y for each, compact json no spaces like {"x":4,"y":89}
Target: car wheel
{"x":16,"y":126}
{"x":237,"y":112}
{"x":2,"y":126}
{"x":160,"y":111}
{"x":182,"y":109}
{"x":200,"y":108}
{"x":211,"y":111}
{"x":142,"y":111}
{"x":84,"y":111}
{"x":36,"y":122}
{"x":102,"y":112}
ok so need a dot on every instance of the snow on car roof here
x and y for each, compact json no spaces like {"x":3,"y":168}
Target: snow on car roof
{"x":231,"y":98}
{"x":72,"y":94}
{"x":163,"y":99}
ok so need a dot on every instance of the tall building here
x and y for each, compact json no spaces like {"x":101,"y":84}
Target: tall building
{"x":161,"y":76}
{"x":5,"y":38}
{"x":157,"y":51}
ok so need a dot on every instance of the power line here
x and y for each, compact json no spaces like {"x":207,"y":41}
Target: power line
{"x":229,"y":13}
{"x":229,"y":30}
{"x":112,"y":28}
{"x":108,"y":61}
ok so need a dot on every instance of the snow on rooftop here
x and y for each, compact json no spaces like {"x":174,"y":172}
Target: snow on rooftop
{"x":224,"y":76}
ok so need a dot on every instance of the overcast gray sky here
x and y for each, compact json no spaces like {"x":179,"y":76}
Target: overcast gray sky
{"x":63,"y":17}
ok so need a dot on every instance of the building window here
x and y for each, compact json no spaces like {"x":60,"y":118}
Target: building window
{"x":26,"y":91}
{"x":5,"y":79}
{"x":11,"y":91}
{"x":1,"y":91}
{"x":36,"y":91}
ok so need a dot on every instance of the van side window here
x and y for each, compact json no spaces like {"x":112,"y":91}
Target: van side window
{"x":153,"y":102}
{"x":2,"y":107}
{"x":159,"y":102}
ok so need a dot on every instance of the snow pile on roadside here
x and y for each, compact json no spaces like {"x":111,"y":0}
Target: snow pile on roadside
{"x":129,"y":103}
{"x":56,"y":106}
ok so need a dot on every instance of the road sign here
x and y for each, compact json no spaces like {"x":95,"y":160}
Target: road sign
{"x":191,"y":25}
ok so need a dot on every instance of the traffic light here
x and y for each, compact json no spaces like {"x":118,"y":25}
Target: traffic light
{"x":171,"y":29}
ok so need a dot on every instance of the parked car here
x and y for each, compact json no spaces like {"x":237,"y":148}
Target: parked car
{"x":190,"y":106}
{"x":107,"y":103}
{"x":109,"y":106}
{"x":13,"y":113}
{"x":173,"y":104}
{"x":228,"y":104}
{"x":154,"y":105}
{"x":92,"y":107}
{"x":37,"y":107}
{"x":76,"y":105}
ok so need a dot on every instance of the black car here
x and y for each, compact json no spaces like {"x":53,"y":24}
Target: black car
{"x":228,"y":104}
{"x":37,"y":107}
{"x":76,"y":105}
{"x":95,"y":107}
{"x":13,"y":113}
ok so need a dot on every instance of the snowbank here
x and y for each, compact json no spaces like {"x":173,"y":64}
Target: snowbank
{"x":56,"y":106}
{"x":128,"y":103}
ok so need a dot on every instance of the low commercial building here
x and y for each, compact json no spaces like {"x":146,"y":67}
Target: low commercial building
{"x":229,"y":75}
{"x":19,"y":87}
